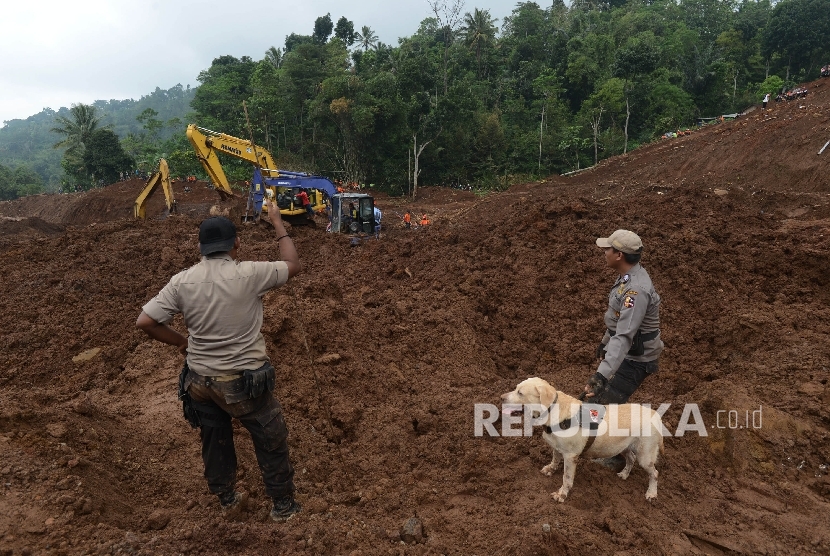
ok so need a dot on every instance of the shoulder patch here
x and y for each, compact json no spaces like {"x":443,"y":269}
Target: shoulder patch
{"x":628,"y":302}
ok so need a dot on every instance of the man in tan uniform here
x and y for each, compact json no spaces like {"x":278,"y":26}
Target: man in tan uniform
{"x":227,"y":373}
{"x":631,"y":345}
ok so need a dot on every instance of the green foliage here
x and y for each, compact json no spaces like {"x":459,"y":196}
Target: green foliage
{"x":322,"y":29}
{"x":798,"y":30}
{"x":771,"y":85}
{"x":345,"y":31}
{"x":104,"y":158}
{"x":18,"y":182}
{"x":462,"y":100}
{"x":29,"y":142}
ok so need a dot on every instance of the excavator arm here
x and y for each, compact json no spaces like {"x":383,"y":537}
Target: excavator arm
{"x":209,"y":143}
{"x":161,"y":177}
{"x":279,"y":186}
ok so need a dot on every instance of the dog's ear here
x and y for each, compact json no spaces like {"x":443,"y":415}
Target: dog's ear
{"x":546,"y":394}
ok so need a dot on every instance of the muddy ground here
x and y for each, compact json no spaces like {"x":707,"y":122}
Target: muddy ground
{"x":95,"y":457}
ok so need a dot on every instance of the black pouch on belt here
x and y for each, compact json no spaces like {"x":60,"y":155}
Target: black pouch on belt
{"x":187,"y":402}
{"x":637,"y":345}
{"x":258,"y":380}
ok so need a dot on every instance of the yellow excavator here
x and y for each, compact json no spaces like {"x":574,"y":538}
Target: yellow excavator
{"x":283,"y":187}
{"x":161,"y":177}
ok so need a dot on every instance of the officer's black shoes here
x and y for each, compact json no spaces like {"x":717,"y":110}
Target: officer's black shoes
{"x":232,"y":503}
{"x":285,"y":508}
{"x":617,"y":463}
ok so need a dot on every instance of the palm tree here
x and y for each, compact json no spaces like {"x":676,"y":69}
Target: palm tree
{"x":479,"y":30}
{"x":274,"y":57}
{"x":366,"y":38}
{"x":78,"y":129}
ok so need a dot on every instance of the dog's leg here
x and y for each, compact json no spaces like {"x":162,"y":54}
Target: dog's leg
{"x":551,"y":467}
{"x":647,"y":462}
{"x":567,"y":478}
{"x":630,"y":459}
{"x":651,"y":493}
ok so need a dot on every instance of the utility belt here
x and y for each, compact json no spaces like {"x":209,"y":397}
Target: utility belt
{"x":638,"y":343}
{"x":235,"y":388}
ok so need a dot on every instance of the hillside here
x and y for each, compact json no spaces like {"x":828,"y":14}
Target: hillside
{"x":29,"y":142}
{"x":735,"y":218}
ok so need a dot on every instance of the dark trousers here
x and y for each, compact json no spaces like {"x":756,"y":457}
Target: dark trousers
{"x":262,"y":417}
{"x":625,"y":381}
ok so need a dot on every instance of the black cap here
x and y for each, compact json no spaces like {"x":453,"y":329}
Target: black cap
{"x":216,"y":235}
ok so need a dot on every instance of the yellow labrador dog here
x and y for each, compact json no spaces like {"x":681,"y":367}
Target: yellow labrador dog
{"x":573,"y":429}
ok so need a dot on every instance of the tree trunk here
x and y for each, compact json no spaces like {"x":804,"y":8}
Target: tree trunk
{"x":541,"y":124}
{"x":416,"y":154}
{"x":415,"y":170}
{"x":595,"y":125}
{"x":734,"y":86}
{"x":627,"y":116}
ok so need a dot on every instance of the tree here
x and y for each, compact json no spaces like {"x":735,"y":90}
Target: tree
{"x":323,"y":27}
{"x":218,"y":101}
{"x":639,"y":56}
{"x":19,"y":182}
{"x":548,"y":86}
{"x":78,"y":129}
{"x":448,"y":17}
{"x":294,"y":40}
{"x":479,"y":31}
{"x":344,"y":30}
{"x":274,"y":57}
{"x":366,"y":38}
{"x":798,"y":30}
{"x":150,"y":123}
{"x":104,"y":158}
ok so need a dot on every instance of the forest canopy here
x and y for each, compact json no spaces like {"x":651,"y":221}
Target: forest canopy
{"x":467,"y":99}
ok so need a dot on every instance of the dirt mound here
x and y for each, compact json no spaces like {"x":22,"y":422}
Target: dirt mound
{"x":32,"y":226}
{"x":96,"y":459}
{"x":111,"y":203}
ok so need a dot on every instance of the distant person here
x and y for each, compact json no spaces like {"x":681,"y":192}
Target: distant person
{"x":766,"y":101}
{"x":425,"y":220}
{"x":227,"y":373}
{"x":407,"y":220}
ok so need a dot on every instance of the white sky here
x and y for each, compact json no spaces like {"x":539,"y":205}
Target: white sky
{"x":55,"y":53}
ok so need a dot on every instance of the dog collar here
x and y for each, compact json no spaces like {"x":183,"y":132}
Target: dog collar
{"x":547,"y":427}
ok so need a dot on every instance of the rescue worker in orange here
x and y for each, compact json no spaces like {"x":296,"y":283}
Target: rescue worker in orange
{"x":425,"y":221}
{"x":407,"y":220}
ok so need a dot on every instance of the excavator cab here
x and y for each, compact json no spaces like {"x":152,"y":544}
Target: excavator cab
{"x":352,"y":213}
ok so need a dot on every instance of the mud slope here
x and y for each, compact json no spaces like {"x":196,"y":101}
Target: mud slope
{"x":96,"y":459}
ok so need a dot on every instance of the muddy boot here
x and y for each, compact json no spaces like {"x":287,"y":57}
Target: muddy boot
{"x":231,"y":504}
{"x":617,"y":463}
{"x":285,"y":508}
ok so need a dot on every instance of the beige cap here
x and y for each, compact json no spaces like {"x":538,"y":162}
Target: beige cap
{"x":622,"y":240}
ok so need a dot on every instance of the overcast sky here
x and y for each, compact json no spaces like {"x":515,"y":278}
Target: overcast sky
{"x":53,"y":54}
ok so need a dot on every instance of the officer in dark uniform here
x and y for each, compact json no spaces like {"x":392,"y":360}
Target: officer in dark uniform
{"x":631,"y":345}
{"x":227,"y":373}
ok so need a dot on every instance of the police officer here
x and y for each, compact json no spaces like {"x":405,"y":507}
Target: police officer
{"x":631,"y":345}
{"x":227,"y":373}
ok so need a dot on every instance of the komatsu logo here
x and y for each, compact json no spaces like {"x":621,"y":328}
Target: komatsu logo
{"x":231,"y":150}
